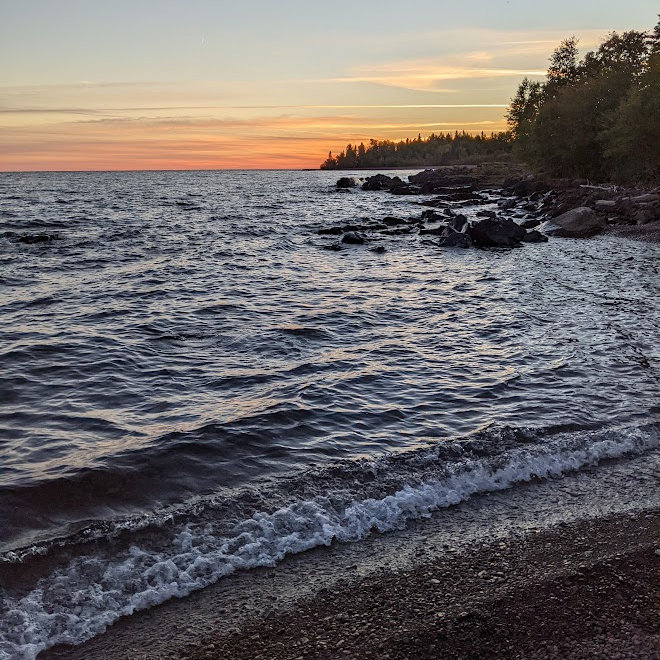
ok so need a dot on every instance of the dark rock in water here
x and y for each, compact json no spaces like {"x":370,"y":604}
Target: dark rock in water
{"x":458,"y":222}
{"x":346,"y":182}
{"x":405,"y":189}
{"x":37,"y":238}
{"x":397,"y":231}
{"x":534,"y":237}
{"x":486,"y":214}
{"x":435,"y":203}
{"x":507,"y":204}
{"x":436,"y":231}
{"x":581,"y":222}
{"x":346,"y":228}
{"x":432,"y":216}
{"x":333,"y":247}
{"x":381,"y":182}
{"x":393,"y":222}
{"x":379,"y":249}
{"x":496,"y":233}
{"x":352,"y":238}
{"x":530,"y":224}
{"x":330,"y":231}
{"x":455,"y":239}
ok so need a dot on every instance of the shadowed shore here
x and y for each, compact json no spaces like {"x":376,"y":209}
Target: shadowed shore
{"x":551,"y":569}
{"x":584,"y":591}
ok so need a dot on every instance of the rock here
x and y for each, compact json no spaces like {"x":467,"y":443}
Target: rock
{"x":525,"y":187}
{"x":334,"y":247}
{"x":455,"y":239}
{"x":436,"y":231}
{"x":379,"y":249}
{"x":644,"y":216}
{"x":393,"y":222}
{"x":580,"y":222}
{"x":405,"y":189}
{"x":486,"y":214}
{"x":352,"y":238}
{"x":381,"y":182}
{"x":530,"y":224}
{"x":458,"y":222}
{"x":432,"y":216}
{"x":507,"y":204}
{"x":346,"y":182}
{"x":330,"y":231}
{"x":534,"y":237}
{"x":37,"y":238}
{"x":496,"y":233}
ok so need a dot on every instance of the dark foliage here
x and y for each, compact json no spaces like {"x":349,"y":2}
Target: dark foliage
{"x":437,"y":149}
{"x":598,"y":118}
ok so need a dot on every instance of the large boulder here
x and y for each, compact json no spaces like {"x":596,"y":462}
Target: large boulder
{"x":491,"y":232}
{"x":346,"y":182}
{"x":580,"y":222}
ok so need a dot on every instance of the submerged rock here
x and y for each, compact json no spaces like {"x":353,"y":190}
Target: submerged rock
{"x":330,"y":231}
{"x":37,"y":238}
{"x":352,"y":238}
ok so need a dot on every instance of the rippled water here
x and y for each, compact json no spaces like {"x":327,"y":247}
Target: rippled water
{"x":185,"y":343}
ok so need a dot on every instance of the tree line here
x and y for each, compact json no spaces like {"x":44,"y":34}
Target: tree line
{"x":436,"y":149}
{"x":597,"y":117}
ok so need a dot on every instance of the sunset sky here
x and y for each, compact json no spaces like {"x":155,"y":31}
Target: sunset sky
{"x":163,"y":84}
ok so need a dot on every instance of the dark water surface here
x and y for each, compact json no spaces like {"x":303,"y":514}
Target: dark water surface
{"x":186,"y":372}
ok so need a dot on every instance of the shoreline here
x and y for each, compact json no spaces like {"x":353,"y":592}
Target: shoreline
{"x":542,"y":596}
{"x":559,"y":551}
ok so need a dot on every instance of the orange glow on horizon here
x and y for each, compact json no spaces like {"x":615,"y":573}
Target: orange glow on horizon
{"x":179,"y":144}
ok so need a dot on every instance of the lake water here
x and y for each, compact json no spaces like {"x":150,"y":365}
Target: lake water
{"x":190,"y":384}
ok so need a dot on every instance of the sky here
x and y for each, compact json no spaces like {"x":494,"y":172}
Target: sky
{"x":214,"y":84}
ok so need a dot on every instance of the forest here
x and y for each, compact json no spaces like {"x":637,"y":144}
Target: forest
{"x":437,"y":149}
{"x":596,"y":118}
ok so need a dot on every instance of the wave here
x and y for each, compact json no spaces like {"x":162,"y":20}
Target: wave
{"x":181,"y":551}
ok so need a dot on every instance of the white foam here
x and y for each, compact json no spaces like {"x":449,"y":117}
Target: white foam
{"x":79,"y":602}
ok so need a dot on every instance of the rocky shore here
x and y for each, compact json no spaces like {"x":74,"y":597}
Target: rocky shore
{"x":572,"y":592}
{"x":479,"y":206}
{"x":555,"y":569}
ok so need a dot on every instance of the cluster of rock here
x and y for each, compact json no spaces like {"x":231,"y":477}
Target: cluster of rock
{"x":528,"y":209}
{"x":596,"y":207}
{"x":453,"y":230}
